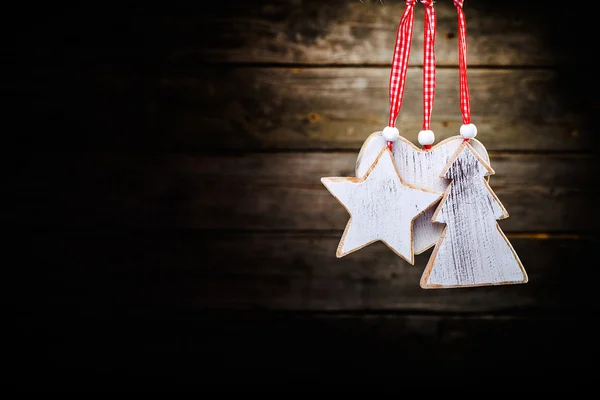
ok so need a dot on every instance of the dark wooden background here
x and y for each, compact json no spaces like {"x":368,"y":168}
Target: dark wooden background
{"x":171,"y":229}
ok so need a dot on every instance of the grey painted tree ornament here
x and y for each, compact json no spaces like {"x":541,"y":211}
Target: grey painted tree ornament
{"x":472,"y":249}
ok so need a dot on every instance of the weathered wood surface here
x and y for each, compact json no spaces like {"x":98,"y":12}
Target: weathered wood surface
{"x":279,"y":191}
{"x":472,"y":249}
{"x":211,"y":270}
{"x":105,"y":309}
{"x":348,"y":32}
{"x":328,"y":108}
{"x":382,"y":206}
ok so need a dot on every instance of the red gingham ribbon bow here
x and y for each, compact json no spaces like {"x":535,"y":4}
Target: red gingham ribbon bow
{"x":428,"y":62}
{"x":465,"y":102}
{"x":400,"y":60}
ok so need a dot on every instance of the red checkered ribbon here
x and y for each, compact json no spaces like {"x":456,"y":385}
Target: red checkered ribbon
{"x":400,"y":60}
{"x":428,"y":62}
{"x":465,"y":102}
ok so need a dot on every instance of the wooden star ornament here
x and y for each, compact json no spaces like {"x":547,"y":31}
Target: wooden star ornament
{"x":381,"y":207}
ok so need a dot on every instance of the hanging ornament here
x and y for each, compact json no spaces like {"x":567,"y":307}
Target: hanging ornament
{"x":382,"y":206}
{"x":472,"y":249}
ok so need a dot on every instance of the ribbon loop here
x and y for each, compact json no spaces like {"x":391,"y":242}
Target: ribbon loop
{"x":428,"y":62}
{"x":400,"y":61}
{"x":400,"y":66}
{"x":465,"y":101}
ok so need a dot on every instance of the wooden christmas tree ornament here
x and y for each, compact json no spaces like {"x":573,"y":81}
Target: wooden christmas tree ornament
{"x":472,"y":249}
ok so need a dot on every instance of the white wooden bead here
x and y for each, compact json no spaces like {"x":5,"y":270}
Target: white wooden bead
{"x":426,"y":137}
{"x":468,"y":131}
{"x":390,"y":133}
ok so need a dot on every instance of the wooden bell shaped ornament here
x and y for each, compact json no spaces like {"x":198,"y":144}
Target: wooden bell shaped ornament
{"x":420,"y":168}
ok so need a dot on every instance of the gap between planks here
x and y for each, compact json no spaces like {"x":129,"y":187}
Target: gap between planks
{"x":283,"y":65}
{"x":190,"y":69}
{"x":300,"y":233}
{"x":505,"y":314}
{"x":222,"y":152}
{"x":338,"y":233}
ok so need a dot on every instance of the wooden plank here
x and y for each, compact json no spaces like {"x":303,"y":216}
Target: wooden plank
{"x":208,"y":270}
{"x":330,"y":108}
{"x":282,"y":191}
{"x":352,"y":32}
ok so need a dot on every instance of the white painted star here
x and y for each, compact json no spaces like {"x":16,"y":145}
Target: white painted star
{"x":381,"y":207}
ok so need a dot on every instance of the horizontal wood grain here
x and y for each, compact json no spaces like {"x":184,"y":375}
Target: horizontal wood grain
{"x":348,"y":32}
{"x":329,"y":108}
{"x":211,"y":270}
{"x":280,"y":191}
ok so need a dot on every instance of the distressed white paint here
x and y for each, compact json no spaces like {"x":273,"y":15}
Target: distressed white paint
{"x":420,"y":168}
{"x":472,"y":250}
{"x":381,"y":207}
